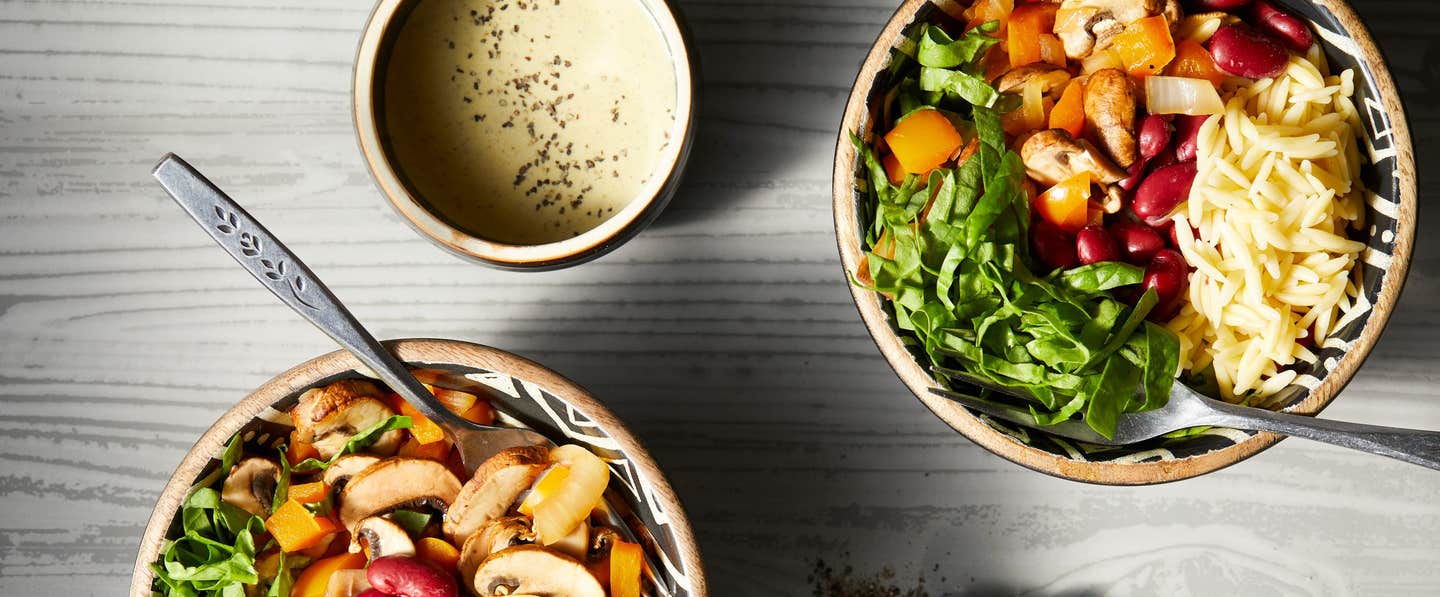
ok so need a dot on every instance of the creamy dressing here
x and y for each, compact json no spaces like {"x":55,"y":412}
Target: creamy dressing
{"x":527,"y":122}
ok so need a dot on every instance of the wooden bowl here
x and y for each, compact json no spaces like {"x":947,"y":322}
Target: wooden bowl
{"x":1391,"y":212}
{"x":368,"y":92}
{"x":521,"y":390}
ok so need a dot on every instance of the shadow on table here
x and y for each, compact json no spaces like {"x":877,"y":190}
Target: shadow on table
{"x":763,"y":104}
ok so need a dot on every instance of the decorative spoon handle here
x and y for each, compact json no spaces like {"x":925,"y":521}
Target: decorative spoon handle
{"x":1415,"y":446}
{"x":279,"y":270}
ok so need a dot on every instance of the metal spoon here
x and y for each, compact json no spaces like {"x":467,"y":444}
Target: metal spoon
{"x":280,"y":271}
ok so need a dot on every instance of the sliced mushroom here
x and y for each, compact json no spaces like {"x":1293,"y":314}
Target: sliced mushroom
{"x":1087,"y":26}
{"x":1114,"y":199}
{"x":251,"y":485}
{"x":345,"y":467}
{"x":498,"y":482}
{"x":397,"y":483}
{"x":328,"y":417}
{"x":1110,"y":113}
{"x":347,"y":583}
{"x":534,"y":570}
{"x":499,"y":534}
{"x":382,"y":537}
{"x":503,"y":533}
{"x":1052,"y":78}
{"x":1053,"y":155}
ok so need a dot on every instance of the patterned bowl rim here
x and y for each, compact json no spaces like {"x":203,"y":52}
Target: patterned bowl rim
{"x":872,"y":312}
{"x":687,"y":570}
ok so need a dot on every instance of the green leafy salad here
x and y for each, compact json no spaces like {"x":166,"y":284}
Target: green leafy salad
{"x":950,"y":251}
{"x":215,"y":551}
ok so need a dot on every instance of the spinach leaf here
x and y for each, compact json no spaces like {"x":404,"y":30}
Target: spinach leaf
{"x":966,"y":86}
{"x":282,"y":485}
{"x":214,"y":556}
{"x":1102,"y":276}
{"x":937,"y":49}
{"x":413,"y":522}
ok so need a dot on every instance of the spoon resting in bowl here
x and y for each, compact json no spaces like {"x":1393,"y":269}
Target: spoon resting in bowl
{"x":280,"y":271}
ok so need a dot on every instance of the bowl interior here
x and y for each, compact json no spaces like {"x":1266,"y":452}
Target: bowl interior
{"x":1389,"y":180}
{"x":372,"y":61}
{"x":641,"y":501}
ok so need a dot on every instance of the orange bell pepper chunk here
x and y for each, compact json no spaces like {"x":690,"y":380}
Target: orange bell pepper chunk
{"x":1145,"y":46}
{"x":308,"y":493}
{"x":548,"y":485}
{"x":438,"y":551}
{"x":298,"y":451}
{"x":422,"y":428}
{"x":923,"y":140}
{"x":1027,"y":23}
{"x":984,"y":11}
{"x":1069,"y":112}
{"x":893,"y":171}
{"x":1194,"y":61}
{"x":481,"y":413}
{"x":295,"y":528}
{"x":315,"y":578}
{"x":626,"y":562}
{"x":437,"y":451}
{"x":1066,"y":204}
{"x":457,"y":401}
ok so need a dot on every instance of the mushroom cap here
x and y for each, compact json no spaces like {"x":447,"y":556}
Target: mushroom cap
{"x":383,"y":538}
{"x":497,"y":535}
{"x":328,"y":417}
{"x":534,"y":570}
{"x":250,"y":486}
{"x":345,"y":467}
{"x":395,"y":483}
{"x":1110,"y":113}
{"x":1053,"y":155}
{"x":1053,"y":78}
{"x":499,"y":481}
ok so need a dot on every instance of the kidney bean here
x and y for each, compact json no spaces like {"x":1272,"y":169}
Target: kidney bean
{"x":1137,"y":242}
{"x":1242,"y":51}
{"x":1166,"y":273}
{"x":1054,"y":247}
{"x":404,"y":576}
{"x":1134,"y":173}
{"x":1155,"y":132}
{"x":1194,"y":6}
{"x":1281,"y":23}
{"x":1093,"y":245}
{"x":1187,"y":136}
{"x":1162,"y":190}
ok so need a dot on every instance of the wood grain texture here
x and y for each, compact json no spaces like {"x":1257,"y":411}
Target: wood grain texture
{"x":724,"y":335}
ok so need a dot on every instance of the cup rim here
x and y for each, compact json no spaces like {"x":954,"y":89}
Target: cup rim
{"x":918,"y":381}
{"x":610,"y":234}
{"x":426,"y":351}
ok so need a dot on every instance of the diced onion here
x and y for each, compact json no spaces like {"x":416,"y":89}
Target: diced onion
{"x":1181,"y":95}
{"x":1099,"y":60}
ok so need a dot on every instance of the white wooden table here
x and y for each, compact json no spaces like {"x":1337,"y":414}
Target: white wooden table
{"x":724,"y":334}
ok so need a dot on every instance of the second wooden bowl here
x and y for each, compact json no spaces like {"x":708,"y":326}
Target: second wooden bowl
{"x":1390,"y":176}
